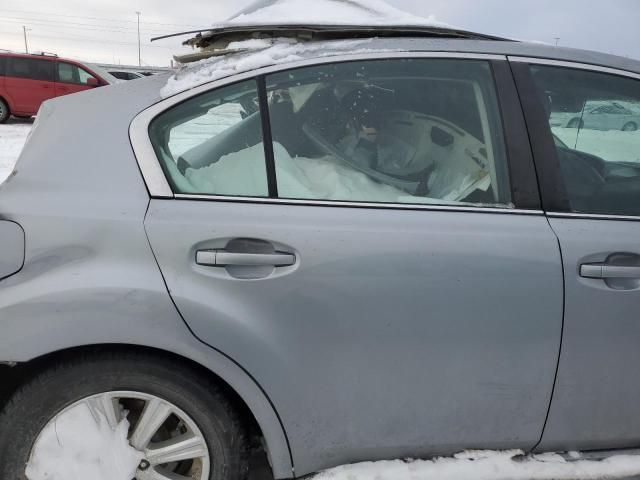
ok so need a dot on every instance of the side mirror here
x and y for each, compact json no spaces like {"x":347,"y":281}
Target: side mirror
{"x":93,"y":82}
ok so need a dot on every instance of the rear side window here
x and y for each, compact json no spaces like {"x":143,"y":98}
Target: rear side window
{"x":212,"y":144}
{"x":418,"y":131}
{"x":595,"y":121}
{"x":3,"y":62}
{"x":68,"y":73}
{"x":30,"y":68}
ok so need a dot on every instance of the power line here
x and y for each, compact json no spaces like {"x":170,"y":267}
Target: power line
{"x":80,"y":26}
{"x":89,"y":39}
{"x":107,"y":19}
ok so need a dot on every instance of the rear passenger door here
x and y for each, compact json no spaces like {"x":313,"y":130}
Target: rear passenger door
{"x":360,"y":238}
{"x":591,"y":189}
{"x":29,"y":82}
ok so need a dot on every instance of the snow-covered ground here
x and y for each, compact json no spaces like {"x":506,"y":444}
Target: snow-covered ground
{"x":12,"y":138}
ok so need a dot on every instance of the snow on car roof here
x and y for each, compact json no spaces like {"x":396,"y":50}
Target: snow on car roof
{"x":328,"y":12}
{"x":270,"y":32}
{"x":340,"y":18}
{"x":257,"y":53}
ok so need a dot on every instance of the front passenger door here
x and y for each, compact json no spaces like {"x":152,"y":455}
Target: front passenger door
{"x":591,"y":190}
{"x":362,"y":245}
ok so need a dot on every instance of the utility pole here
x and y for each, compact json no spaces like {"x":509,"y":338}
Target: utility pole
{"x":26,"y":46}
{"x":557,"y":40}
{"x":139,"y":54}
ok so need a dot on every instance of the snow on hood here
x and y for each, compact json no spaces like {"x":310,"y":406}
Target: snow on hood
{"x":486,"y":465}
{"x":328,"y":12}
{"x":76,"y":446}
{"x":253,"y":54}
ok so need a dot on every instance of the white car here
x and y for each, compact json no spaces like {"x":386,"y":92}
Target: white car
{"x":601,"y":115}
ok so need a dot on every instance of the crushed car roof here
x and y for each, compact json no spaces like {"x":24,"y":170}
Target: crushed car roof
{"x":318,"y":20}
{"x":268,"y":53}
{"x":216,"y":41}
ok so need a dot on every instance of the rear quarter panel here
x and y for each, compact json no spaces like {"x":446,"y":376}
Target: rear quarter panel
{"x":89,"y":275}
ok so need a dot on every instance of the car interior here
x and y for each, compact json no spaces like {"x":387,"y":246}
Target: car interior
{"x":434,"y":138}
{"x":592,"y":183}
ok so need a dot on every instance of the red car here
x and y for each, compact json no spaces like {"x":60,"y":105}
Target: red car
{"x":28,"y":80}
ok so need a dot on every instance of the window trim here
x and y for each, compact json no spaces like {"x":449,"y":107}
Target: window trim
{"x":574,"y":65}
{"x":158,"y":185}
{"x":267,"y":136}
{"x":366,"y":205}
{"x":555,"y":201}
{"x":525,"y":192}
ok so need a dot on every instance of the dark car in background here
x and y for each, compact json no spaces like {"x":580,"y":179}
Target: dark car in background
{"x":126,"y":75}
{"x":28,"y":80}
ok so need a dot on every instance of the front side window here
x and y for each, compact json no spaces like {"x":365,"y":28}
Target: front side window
{"x":68,"y":73}
{"x":30,"y":68}
{"x":212,"y":144}
{"x":416,"y":131}
{"x":595,"y":120}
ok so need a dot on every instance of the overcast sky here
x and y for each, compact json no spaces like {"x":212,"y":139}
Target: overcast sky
{"x":105,"y":30}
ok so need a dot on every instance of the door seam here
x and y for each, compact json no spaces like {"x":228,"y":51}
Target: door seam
{"x":555,"y":377}
{"x":184,"y":321}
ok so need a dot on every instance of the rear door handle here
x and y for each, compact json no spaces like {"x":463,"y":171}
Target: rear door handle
{"x":602,"y":270}
{"x":223,"y":258}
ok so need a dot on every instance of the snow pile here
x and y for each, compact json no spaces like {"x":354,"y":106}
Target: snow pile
{"x":243,"y":173}
{"x":76,"y":446}
{"x":253,"y":54}
{"x":12,"y":139}
{"x":328,"y":12}
{"x":487,"y":465}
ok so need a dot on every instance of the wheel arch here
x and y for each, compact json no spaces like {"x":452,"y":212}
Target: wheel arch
{"x":6,"y":100}
{"x":254,"y":407}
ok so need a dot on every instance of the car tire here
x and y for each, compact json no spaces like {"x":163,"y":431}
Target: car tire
{"x":575,"y":123}
{"x":630,"y":127}
{"x":5,"y":113}
{"x":42,"y":399}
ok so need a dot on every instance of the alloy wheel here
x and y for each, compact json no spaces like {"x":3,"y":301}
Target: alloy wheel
{"x":171,"y":445}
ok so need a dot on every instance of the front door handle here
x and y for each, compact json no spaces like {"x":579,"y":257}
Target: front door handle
{"x":224,"y":258}
{"x":603,"y":270}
